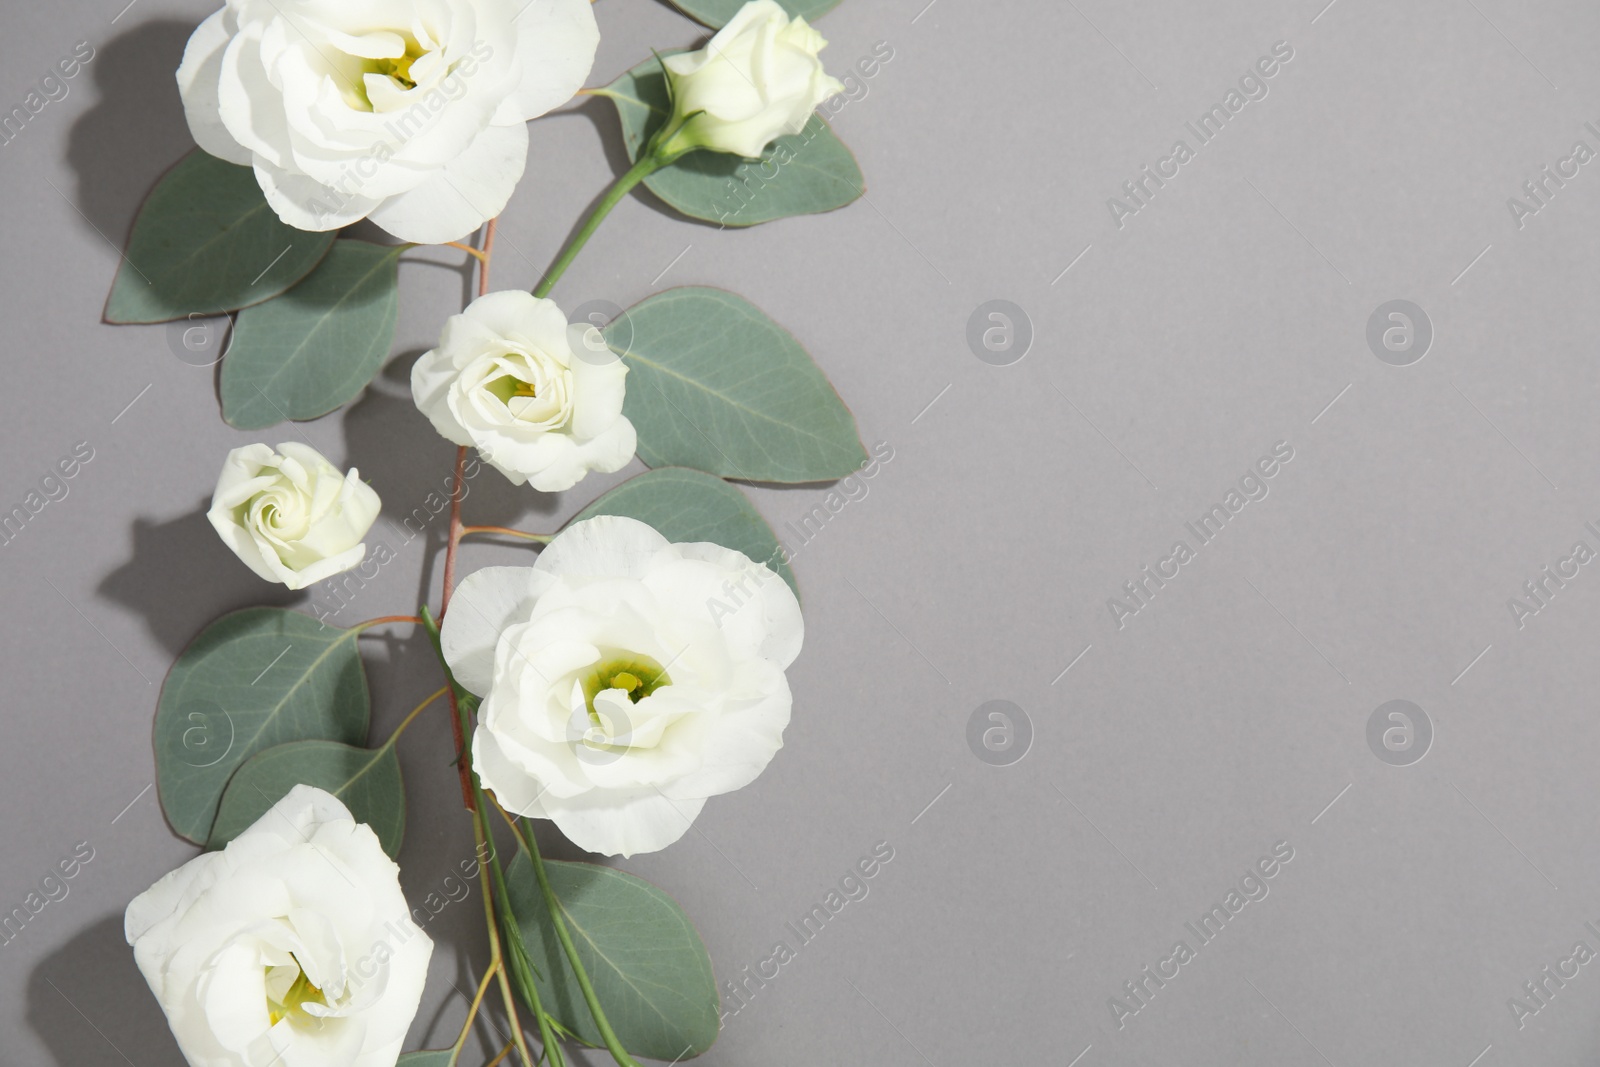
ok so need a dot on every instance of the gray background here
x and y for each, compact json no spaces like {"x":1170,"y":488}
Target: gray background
{"x":1225,"y":717}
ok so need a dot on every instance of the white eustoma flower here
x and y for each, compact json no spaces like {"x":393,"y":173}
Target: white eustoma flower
{"x":292,"y":946}
{"x":290,"y":515}
{"x":407,"y":112}
{"x":757,"y":79}
{"x":540,"y":400}
{"x":625,"y":680}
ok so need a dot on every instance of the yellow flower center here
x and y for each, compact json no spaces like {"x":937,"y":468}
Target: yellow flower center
{"x":300,"y":993}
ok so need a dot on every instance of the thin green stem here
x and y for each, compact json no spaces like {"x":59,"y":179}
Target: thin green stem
{"x":398,"y":730}
{"x":506,"y":531}
{"x":494,"y":944}
{"x":648,"y":163}
{"x":472,"y":1013}
{"x":608,"y":1035}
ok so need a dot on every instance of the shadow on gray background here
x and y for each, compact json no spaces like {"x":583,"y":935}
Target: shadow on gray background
{"x":136,"y":128}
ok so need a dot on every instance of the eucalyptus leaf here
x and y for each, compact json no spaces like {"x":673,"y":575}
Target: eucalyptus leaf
{"x":717,"y":13}
{"x":431,"y":1057}
{"x":803,"y":174}
{"x":647,"y":963}
{"x":366,"y":780}
{"x":716,"y":385}
{"x":317,"y":346}
{"x":253,"y":679}
{"x":206,"y":241}
{"x":688,"y":505}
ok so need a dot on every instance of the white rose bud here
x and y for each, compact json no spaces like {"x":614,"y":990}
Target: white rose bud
{"x":626,"y":680}
{"x":408,"y":112}
{"x":758,"y":79}
{"x":290,"y":515}
{"x":539,"y":399}
{"x":293,"y":945}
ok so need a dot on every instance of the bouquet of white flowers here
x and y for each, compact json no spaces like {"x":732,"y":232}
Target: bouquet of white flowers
{"x":633,"y":672}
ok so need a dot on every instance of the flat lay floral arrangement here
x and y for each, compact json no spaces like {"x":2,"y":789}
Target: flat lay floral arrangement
{"x":633,"y":671}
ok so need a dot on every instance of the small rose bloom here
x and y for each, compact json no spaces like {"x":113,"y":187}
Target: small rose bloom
{"x":540,"y":400}
{"x":408,"y":112}
{"x":625,"y":679}
{"x":291,"y":946}
{"x":290,"y":515}
{"x":756,"y":80}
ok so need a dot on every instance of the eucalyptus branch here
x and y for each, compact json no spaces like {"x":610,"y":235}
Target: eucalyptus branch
{"x":647,"y":165}
{"x":608,"y":1035}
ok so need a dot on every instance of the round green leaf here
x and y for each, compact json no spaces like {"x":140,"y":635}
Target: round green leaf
{"x":432,"y":1057}
{"x":317,"y":346}
{"x":206,"y":241}
{"x":648,"y":965}
{"x":809,"y":172}
{"x":715,"y":385}
{"x":251,"y":680}
{"x":366,"y":780}
{"x":687,"y":505}
{"x":717,"y":13}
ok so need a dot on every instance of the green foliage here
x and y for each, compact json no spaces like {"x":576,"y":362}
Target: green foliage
{"x":688,"y":505}
{"x":716,"y":385}
{"x":367,"y":781}
{"x":253,"y":679}
{"x":809,"y":172}
{"x":317,"y":346}
{"x":206,"y":241}
{"x":648,"y":966}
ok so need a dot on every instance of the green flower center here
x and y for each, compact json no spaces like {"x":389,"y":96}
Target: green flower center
{"x":507,"y":386}
{"x":300,"y":993}
{"x":635,"y":674}
{"x":396,"y":68}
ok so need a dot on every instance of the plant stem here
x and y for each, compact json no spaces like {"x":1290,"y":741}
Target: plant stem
{"x":454,"y":542}
{"x":503,"y":1053}
{"x":457,"y":717}
{"x":413,"y":619}
{"x":506,"y":531}
{"x":494,"y":943}
{"x":620,"y":188}
{"x":472,"y":1013}
{"x":488,"y":254}
{"x":481,"y":257}
{"x":608,"y":1035}
{"x":398,"y":730}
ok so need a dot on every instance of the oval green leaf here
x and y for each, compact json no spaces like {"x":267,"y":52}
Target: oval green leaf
{"x":432,"y":1057}
{"x":717,"y":13}
{"x":317,"y":346}
{"x":206,"y":241}
{"x":809,"y":172}
{"x":716,"y":385}
{"x":688,"y":505}
{"x":648,"y":965}
{"x":253,"y":679}
{"x":366,"y":780}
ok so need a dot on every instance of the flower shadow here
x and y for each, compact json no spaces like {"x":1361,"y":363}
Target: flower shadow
{"x":135,"y":131}
{"x":185,"y":545}
{"x":88,"y":1004}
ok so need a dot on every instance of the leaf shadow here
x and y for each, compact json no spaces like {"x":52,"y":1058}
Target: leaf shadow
{"x":135,"y":131}
{"x":93,"y":980}
{"x":185,"y":545}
